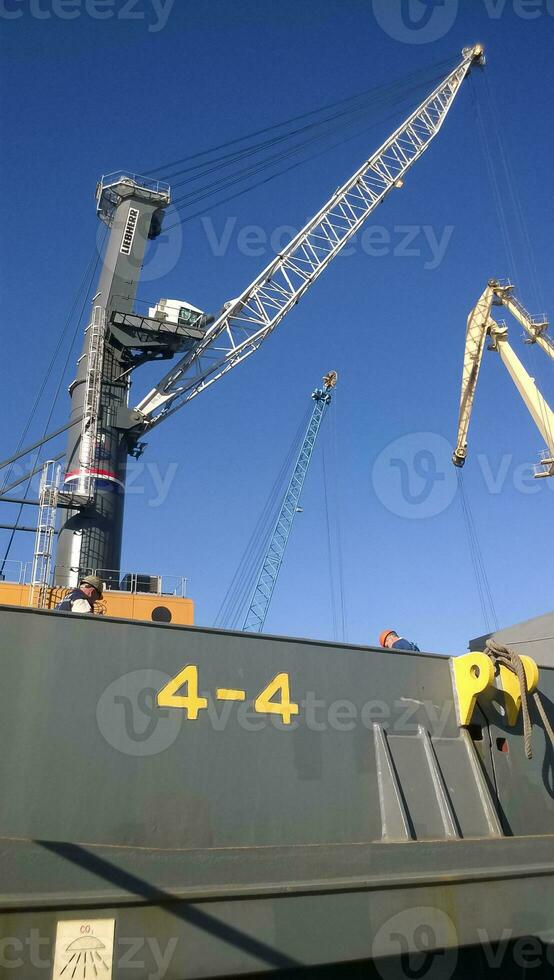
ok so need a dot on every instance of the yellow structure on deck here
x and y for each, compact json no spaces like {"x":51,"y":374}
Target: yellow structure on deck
{"x":154,"y":607}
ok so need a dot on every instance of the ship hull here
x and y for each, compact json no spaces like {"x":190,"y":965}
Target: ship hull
{"x":365,"y":826}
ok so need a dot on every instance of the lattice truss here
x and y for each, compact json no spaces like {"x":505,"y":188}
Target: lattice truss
{"x":249,"y":319}
{"x":263,"y":591}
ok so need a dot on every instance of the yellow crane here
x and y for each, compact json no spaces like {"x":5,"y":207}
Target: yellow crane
{"x":481,"y":325}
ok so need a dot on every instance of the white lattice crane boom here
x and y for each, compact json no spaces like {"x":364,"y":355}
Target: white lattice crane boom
{"x":246,"y":321}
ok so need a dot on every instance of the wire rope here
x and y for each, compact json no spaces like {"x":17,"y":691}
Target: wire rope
{"x":35,"y":466}
{"x":260,"y":167}
{"x":482,"y":581}
{"x":521,"y":227}
{"x":48,"y":372}
{"x":242,"y":584}
{"x":333,"y":527}
{"x":335,"y":428}
{"x":266,"y":180}
{"x":250,"y":567}
{"x":375,"y":90}
{"x":329,"y":124}
{"x":332,"y":589}
{"x":498,"y":165}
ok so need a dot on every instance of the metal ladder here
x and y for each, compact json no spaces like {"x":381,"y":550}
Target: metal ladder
{"x":46,"y":530}
{"x":91,"y":404}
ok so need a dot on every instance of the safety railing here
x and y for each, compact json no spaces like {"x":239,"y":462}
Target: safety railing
{"x":124,"y":177}
{"x":545,"y":466}
{"x":16,"y":572}
{"x":20,"y":573}
{"x":134,"y":582}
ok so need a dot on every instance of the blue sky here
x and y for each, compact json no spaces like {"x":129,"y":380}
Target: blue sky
{"x":86,"y":96}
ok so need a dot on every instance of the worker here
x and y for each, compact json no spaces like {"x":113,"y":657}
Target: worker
{"x":392,"y":641}
{"x":82,"y":600}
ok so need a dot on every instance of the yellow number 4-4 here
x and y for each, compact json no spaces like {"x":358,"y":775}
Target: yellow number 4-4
{"x":284,"y":707}
{"x":191,"y":702}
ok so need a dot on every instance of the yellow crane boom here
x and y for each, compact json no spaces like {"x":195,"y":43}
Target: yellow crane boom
{"x":481,"y":325}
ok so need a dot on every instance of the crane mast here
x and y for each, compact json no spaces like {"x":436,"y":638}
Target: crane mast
{"x":97,"y":446}
{"x":105,"y":430}
{"x":271,"y":566}
{"x":480,"y":326}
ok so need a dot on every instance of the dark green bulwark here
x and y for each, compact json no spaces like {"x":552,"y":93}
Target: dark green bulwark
{"x":253,"y":843}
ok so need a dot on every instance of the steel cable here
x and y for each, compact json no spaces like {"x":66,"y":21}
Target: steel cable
{"x":266,"y":180}
{"x":374,"y":90}
{"x":47,"y":375}
{"x":230,"y":180}
{"x":481,"y":578}
{"x":242,"y":583}
{"x":333,"y":526}
{"x":35,"y":467}
{"x":328,"y":126}
{"x":488,"y":133}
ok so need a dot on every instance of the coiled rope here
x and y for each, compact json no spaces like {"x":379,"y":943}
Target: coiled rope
{"x":506,"y":657}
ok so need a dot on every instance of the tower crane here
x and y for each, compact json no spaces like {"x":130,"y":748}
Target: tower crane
{"x":481,"y":325}
{"x":271,"y":566}
{"x":103,"y":430}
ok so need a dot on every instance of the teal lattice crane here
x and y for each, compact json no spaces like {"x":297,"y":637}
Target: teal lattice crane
{"x":261,"y":598}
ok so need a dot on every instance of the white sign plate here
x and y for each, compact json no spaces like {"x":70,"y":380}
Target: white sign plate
{"x":84,"y":949}
{"x":129,"y":233}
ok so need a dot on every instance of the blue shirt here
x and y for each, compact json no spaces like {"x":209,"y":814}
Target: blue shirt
{"x":75,"y":601}
{"x":402,"y":644}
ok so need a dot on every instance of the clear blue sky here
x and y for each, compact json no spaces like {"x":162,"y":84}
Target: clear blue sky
{"x":87,"y":96}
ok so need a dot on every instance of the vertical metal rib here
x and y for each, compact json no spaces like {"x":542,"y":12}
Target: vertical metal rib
{"x":394,"y":819}
{"x":448,"y":816}
{"x":487,"y":802}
